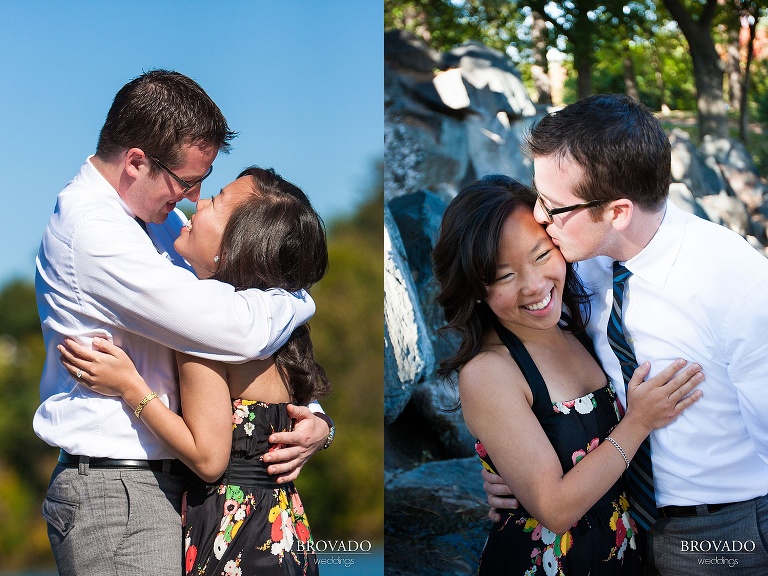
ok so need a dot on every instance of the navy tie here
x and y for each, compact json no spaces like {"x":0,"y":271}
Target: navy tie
{"x":640,"y":472}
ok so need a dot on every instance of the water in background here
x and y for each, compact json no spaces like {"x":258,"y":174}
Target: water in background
{"x":331,"y":565}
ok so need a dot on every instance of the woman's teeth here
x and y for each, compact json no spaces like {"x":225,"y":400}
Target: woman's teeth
{"x":540,"y":305}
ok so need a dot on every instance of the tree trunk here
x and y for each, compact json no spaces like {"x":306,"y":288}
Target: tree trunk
{"x":540,"y":68}
{"x":744,"y":112}
{"x":707,"y":67}
{"x":733,"y":67}
{"x":708,"y":77}
{"x":630,"y":78}
{"x":581,"y":39}
{"x":663,"y":106}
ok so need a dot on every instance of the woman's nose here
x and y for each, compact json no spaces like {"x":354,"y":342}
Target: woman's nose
{"x":533,"y":283}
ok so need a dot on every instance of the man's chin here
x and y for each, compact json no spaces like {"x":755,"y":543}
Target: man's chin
{"x":158,"y":218}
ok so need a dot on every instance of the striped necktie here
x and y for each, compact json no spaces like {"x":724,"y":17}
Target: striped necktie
{"x":640,"y":472}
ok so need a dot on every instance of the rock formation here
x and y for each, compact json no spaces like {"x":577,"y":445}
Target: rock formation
{"x":449,"y":119}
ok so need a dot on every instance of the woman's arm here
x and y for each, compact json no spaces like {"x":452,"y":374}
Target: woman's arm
{"x":202,"y":440}
{"x":497,"y":412}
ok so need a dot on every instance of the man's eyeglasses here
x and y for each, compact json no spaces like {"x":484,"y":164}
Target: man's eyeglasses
{"x":550,"y":212}
{"x":186,"y":185}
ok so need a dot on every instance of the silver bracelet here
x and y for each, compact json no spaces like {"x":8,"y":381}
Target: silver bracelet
{"x":620,"y":449}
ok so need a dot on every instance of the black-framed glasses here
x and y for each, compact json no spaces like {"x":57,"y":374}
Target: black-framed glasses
{"x":550,"y":212}
{"x":187,"y":186}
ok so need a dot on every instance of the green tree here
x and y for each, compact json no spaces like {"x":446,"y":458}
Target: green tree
{"x":443,"y":24}
{"x":695,"y":21}
{"x":345,"y":485}
{"x":25,"y":461}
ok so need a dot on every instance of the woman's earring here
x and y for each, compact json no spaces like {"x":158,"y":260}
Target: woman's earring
{"x":216,"y":258}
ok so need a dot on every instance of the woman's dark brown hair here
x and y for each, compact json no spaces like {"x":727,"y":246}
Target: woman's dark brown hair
{"x":275,"y":239}
{"x":464,"y":263}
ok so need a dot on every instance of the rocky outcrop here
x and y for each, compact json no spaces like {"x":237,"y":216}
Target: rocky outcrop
{"x":718,"y":181}
{"x":436,"y":519}
{"x":449,"y":119}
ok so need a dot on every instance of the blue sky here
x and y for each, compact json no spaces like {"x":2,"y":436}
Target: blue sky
{"x":300,"y":80}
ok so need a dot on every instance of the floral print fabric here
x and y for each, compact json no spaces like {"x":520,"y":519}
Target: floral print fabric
{"x":254,"y":526}
{"x":602,"y":542}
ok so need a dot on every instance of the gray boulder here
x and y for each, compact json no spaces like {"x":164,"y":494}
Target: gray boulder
{"x":408,"y":354}
{"x":690,"y":168}
{"x":428,"y":152}
{"x":495,"y":147}
{"x":404,"y":50}
{"x":494,"y":82}
{"x":436,"y":519}
{"x":435,"y":403}
{"x":681,"y":197}
{"x":728,"y":211}
{"x":418,"y":217}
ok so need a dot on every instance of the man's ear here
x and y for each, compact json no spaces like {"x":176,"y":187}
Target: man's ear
{"x":135,"y":160}
{"x":619,"y":213}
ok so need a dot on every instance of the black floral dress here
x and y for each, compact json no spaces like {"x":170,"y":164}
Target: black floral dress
{"x":246,"y":524}
{"x":604,"y":540}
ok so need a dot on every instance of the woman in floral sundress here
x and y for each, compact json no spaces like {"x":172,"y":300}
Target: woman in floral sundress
{"x":260,"y":231}
{"x":533,"y":393}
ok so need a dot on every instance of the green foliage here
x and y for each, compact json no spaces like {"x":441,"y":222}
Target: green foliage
{"x":342,"y":488}
{"x":444,"y":24}
{"x":25,"y":461}
{"x":760,"y":91}
{"x":665,"y":54}
{"x":758,"y":112}
{"x":18,"y":310}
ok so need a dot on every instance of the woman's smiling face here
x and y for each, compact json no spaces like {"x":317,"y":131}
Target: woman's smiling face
{"x":530,"y":274}
{"x":199,"y":242}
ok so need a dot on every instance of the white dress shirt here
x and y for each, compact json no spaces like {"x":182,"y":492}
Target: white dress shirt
{"x":99,"y":274}
{"x":699,"y":292}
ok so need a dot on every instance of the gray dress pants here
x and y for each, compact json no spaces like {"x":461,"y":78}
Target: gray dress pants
{"x":729,"y":541}
{"x":121,"y":522}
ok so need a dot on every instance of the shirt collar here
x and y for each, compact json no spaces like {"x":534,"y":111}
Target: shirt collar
{"x":97,"y":183}
{"x":654,"y":262}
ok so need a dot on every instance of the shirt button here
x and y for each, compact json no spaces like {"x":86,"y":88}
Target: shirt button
{"x":631,"y":340}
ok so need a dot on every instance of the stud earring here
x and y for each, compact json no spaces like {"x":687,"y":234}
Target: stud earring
{"x":216,"y":258}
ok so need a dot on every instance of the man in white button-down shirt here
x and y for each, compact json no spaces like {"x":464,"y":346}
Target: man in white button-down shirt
{"x":697,"y":291}
{"x":107,"y":268}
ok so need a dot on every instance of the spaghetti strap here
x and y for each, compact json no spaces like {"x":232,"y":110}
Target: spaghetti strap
{"x":542,"y":402}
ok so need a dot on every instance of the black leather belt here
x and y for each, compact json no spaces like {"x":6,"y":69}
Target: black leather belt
{"x":700,"y":510}
{"x":166,"y":466}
